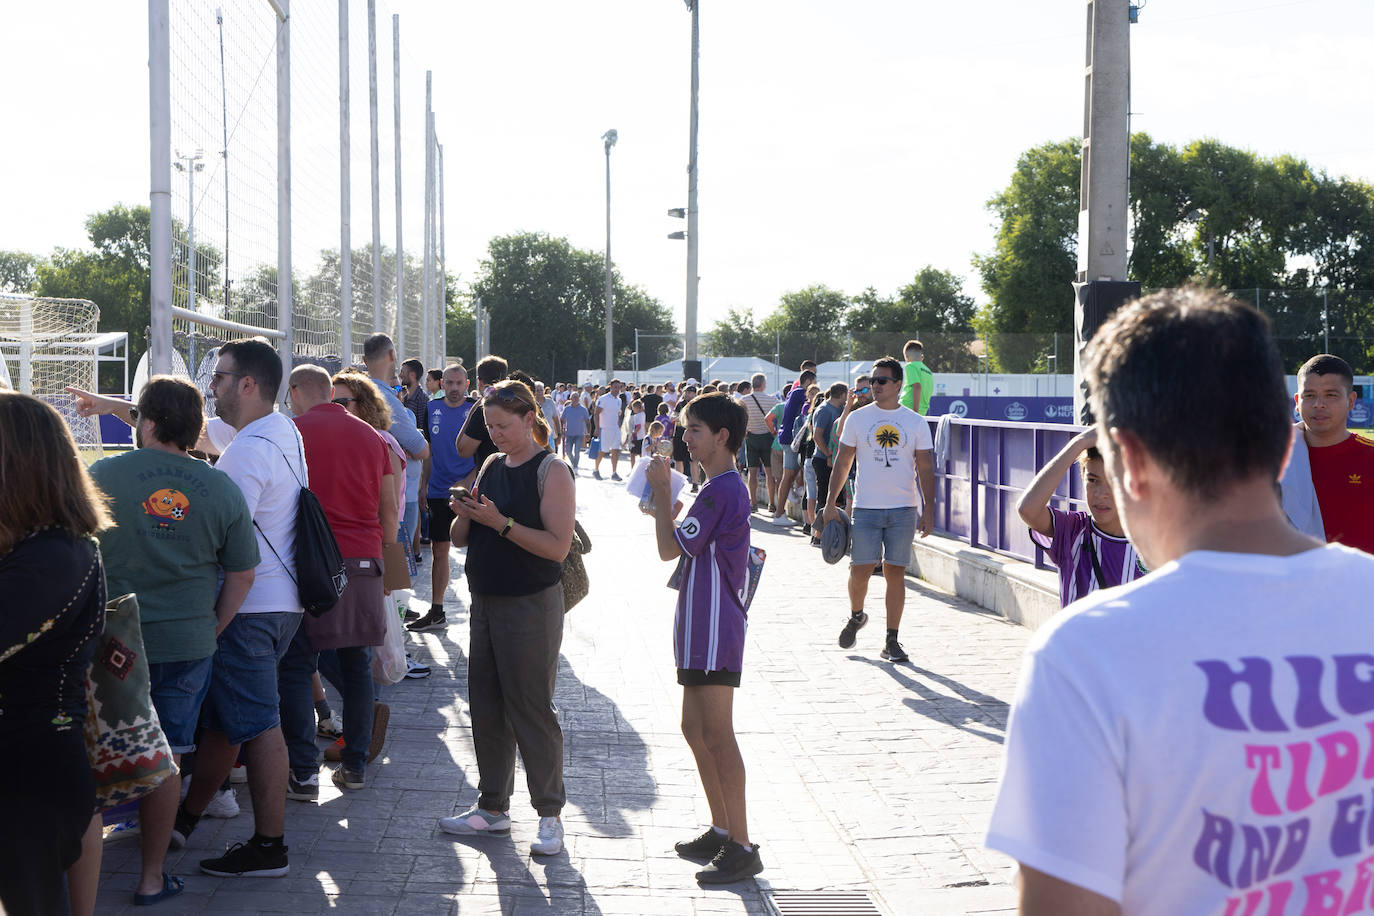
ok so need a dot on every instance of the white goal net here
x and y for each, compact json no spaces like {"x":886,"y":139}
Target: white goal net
{"x":46,"y":345}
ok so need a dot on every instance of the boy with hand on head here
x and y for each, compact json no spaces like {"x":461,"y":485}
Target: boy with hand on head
{"x":709,"y":628}
{"x":1090,"y":548}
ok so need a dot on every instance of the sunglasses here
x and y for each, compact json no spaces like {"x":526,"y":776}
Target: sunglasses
{"x":883,"y":380}
{"x":344,"y":402}
{"x":864,"y":390}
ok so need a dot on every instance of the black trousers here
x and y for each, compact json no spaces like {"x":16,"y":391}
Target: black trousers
{"x":512,"y":664}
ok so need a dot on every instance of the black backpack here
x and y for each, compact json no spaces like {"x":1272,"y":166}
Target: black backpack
{"x":321,"y":574}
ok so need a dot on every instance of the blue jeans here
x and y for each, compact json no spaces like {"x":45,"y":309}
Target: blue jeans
{"x":243,"y":701}
{"x":409,"y":520}
{"x":882,"y":534}
{"x":574,"y":446}
{"x":178,"y":689}
{"x":298,"y":706}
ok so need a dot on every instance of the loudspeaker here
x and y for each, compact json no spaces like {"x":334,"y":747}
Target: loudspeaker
{"x":1096,"y":300}
{"x":691,"y":368}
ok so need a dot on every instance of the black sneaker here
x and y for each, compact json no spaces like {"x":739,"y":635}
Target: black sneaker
{"x":851,"y":628}
{"x":703,"y":848}
{"x":248,"y":860}
{"x":306,"y":789}
{"x":430,"y":621}
{"x":734,"y":862}
{"x":893,"y":651}
{"x":411,"y":615}
{"x":181,"y":830}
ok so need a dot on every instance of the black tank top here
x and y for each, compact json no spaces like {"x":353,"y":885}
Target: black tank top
{"x":497,"y":565}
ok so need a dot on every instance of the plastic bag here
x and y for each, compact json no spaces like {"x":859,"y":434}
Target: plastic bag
{"x":389,"y":659}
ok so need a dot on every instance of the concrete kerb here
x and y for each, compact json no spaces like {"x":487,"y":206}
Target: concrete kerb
{"x":1011,"y":588}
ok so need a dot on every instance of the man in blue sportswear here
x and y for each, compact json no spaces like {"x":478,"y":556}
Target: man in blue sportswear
{"x":379,"y":354}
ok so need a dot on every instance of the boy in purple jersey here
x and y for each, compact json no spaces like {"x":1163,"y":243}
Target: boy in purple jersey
{"x":1089,"y":548}
{"x":709,"y":628}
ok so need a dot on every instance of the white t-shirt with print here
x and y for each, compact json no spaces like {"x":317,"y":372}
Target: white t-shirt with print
{"x":272,"y":491}
{"x":608,"y":412}
{"x":885,"y":444}
{"x":1201,"y":740}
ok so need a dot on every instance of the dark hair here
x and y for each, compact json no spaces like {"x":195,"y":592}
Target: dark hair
{"x":376,"y":346}
{"x":662,"y":409}
{"x":808,"y":364}
{"x":176,"y":409}
{"x":807,"y":377}
{"x":913,"y":345}
{"x":254,"y":357}
{"x":719,"y":411}
{"x":891,"y":364}
{"x":1088,"y":454}
{"x":491,"y":369}
{"x":437,"y":374}
{"x":1326,"y":364}
{"x":416,"y":367}
{"x":43,"y":480}
{"x":744,"y":387}
{"x":516,"y":397}
{"x":837,"y":390}
{"x":1131,"y":368}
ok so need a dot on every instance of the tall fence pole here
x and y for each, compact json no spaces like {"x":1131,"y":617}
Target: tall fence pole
{"x":377,"y":322}
{"x":284,"y":304}
{"x":427,"y":293}
{"x":160,"y":187}
{"x":693,"y":223}
{"x":400,"y":338}
{"x":443,"y":262}
{"x":345,"y":201}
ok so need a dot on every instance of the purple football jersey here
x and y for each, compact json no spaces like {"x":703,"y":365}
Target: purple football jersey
{"x":1069,"y":551}
{"x":709,"y":628}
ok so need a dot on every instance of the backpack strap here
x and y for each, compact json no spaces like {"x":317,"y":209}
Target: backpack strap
{"x":1097,"y":567}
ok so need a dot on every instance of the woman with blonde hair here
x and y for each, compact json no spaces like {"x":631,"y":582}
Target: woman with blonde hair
{"x":517,"y":526}
{"x":52,"y":610}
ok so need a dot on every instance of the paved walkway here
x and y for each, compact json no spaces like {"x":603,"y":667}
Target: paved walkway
{"x":863,"y":776}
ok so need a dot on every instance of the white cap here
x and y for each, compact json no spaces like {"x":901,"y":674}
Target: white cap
{"x":692,"y":381}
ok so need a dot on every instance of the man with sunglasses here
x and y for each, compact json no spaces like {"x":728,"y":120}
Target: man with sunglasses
{"x":891,"y":448}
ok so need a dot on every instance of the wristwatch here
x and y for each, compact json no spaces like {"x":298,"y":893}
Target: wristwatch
{"x":509,"y":523}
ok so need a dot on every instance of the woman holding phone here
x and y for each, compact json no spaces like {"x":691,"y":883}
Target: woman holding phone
{"x":518,"y":526}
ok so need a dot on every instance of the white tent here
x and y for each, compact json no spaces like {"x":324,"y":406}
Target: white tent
{"x":726,"y":368}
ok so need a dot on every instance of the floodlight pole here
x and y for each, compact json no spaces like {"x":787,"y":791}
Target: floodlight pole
{"x":284,"y":303}
{"x":610,"y":137}
{"x":693,"y":226}
{"x":377,"y":324}
{"x":400,"y":338}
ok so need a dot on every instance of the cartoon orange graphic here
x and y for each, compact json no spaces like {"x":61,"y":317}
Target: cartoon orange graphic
{"x":169,"y":505}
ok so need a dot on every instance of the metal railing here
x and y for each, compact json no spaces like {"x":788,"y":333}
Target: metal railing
{"x":987,"y":465}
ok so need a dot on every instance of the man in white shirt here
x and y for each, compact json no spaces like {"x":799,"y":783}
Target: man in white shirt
{"x":267,"y":461}
{"x":893,"y":449}
{"x":1198,"y":740}
{"x":609,"y":410}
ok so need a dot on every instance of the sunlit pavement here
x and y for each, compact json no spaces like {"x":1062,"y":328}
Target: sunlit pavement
{"x":863,"y":776}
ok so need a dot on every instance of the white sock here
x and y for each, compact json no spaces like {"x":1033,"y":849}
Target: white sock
{"x":719,"y":831}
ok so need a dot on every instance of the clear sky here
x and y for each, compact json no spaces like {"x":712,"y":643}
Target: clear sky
{"x":841,"y":143}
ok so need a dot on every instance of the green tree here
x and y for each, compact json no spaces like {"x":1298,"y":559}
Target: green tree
{"x":810,"y":321}
{"x":547,"y":305}
{"x":737,"y":334}
{"x":18,"y":272}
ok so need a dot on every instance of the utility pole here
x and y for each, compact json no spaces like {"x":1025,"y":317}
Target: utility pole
{"x":691,"y":365}
{"x":190,"y":165}
{"x":610,"y":137}
{"x":1101,"y":285}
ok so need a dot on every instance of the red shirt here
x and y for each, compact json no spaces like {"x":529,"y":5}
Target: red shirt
{"x":1343,"y":476}
{"x":346,"y":460}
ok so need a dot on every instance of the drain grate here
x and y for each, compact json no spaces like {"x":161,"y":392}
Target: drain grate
{"x":820,"y":903}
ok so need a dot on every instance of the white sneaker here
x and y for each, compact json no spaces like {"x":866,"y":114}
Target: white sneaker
{"x":239,"y":774}
{"x":550,"y":839}
{"x":330,"y":728}
{"x":782,"y":520}
{"x":224,"y":804}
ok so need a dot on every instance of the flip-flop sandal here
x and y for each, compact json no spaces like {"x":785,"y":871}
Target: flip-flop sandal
{"x":171,"y":886}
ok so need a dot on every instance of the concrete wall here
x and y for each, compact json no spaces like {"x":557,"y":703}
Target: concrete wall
{"x":1010,"y":588}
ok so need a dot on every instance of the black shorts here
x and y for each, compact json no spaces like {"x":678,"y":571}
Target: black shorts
{"x":696,"y":677}
{"x":758,"y":449}
{"x":680,"y":452}
{"x":440,"y":520}
{"x":636,"y":446}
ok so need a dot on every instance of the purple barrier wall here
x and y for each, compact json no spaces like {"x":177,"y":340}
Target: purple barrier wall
{"x":987,"y":465}
{"x":1029,"y":410}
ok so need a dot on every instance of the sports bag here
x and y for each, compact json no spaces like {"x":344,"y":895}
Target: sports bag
{"x":321,"y":575}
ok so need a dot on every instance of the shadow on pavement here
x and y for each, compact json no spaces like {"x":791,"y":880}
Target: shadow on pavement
{"x":969,"y":710}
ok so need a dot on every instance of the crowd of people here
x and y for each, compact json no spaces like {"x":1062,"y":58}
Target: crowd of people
{"x":200,"y":521}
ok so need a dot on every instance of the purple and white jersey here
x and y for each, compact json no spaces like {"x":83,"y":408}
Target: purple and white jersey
{"x":1069,"y":551}
{"x":709,"y":628}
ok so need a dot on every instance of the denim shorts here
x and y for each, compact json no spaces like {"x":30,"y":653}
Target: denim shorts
{"x":243,"y":701}
{"x":178,"y":689}
{"x":791,"y":461}
{"x":882,"y":534}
